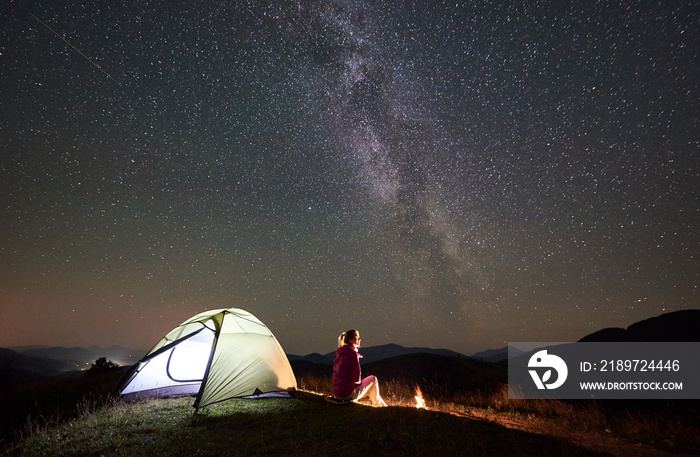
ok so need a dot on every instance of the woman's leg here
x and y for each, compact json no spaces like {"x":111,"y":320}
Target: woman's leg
{"x":370,"y":387}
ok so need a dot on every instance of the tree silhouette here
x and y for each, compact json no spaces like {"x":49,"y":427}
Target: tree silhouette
{"x":102,"y":365}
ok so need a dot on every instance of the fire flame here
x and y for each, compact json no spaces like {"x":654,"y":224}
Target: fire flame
{"x":420,"y":402}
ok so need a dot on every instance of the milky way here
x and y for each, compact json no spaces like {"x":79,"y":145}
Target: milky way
{"x":448,"y":175}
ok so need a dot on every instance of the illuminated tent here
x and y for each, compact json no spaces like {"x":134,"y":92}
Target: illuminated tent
{"x":215,"y":355}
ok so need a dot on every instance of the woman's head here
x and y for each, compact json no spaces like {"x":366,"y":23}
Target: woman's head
{"x":351,"y":337}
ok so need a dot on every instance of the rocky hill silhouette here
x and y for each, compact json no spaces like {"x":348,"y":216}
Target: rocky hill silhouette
{"x":677,"y":326}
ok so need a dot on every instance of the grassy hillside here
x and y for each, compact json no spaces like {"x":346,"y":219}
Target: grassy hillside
{"x":306,"y":426}
{"x":469,"y":414}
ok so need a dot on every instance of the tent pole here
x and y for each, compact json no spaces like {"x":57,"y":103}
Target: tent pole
{"x":217,"y":332}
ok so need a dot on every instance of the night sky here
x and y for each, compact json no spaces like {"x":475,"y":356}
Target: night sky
{"x":453,"y":175}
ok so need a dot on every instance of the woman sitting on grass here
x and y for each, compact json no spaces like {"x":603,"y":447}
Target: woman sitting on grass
{"x":347,"y":380}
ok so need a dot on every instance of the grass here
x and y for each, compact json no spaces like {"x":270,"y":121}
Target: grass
{"x":667,"y":425}
{"x":305,"y":426}
{"x":98,"y":425}
{"x":29,"y":406}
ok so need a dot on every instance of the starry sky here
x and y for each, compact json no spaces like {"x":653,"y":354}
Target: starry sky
{"x":453,"y":175}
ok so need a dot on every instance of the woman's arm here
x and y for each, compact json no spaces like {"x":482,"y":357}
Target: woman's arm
{"x":354,"y":368}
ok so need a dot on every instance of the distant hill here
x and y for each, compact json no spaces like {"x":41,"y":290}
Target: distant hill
{"x":483,"y":370}
{"x":28,"y":362}
{"x":392,"y":361}
{"x":303,"y":367}
{"x":677,"y":326}
{"x":374,"y":353}
{"x":437,"y":375}
{"x":496,"y":355}
{"x":19,"y":367}
{"x":440,"y":375}
{"x":25,"y":362}
{"x":312,"y":358}
{"x":83,"y":356}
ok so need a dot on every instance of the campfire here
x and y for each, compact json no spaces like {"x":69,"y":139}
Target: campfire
{"x":420,"y":402}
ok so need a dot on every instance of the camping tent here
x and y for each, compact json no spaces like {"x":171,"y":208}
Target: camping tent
{"x":215,"y":355}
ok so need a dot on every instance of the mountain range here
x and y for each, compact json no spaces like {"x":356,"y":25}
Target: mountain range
{"x":24,"y":362}
{"x":677,"y":326}
{"x":374,"y":353}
